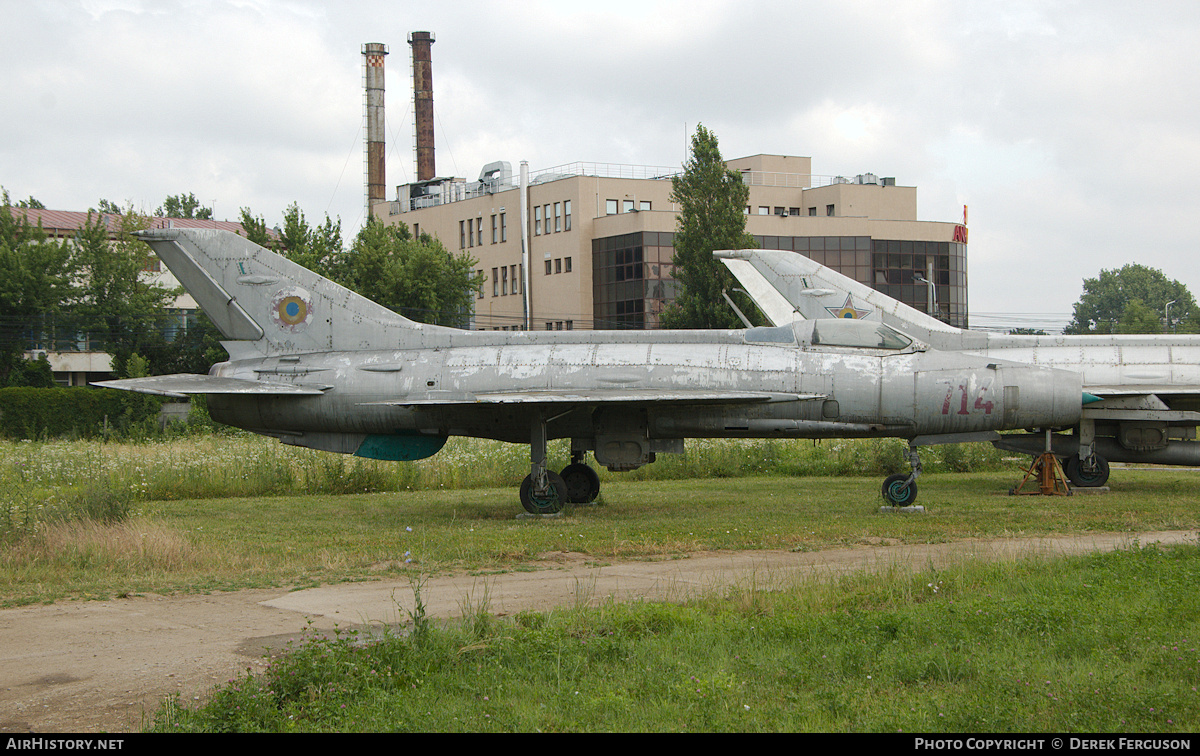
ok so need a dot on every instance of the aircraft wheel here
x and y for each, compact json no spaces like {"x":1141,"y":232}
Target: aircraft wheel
{"x":583,"y":484}
{"x":1084,"y":475}
{"x":896,"y":494}
{"x":552,"y":502}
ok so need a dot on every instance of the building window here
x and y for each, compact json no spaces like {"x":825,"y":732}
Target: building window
{"x":812,"y":211}
{"x":779,"y":211}
{"x":479,"y":274}
{"x":537,"y":220}
{"x":503,"y":228}
{"x":479,"y":231}
{"x":793,"y":211}
{"x":462,"y":234}
{"x":570,"y":325}
{"x":610,"y":207}
{"x":549,"y":325}
{"x":558,"y":265}
{"x":627,"y":206}
{"x":829,"y":209}
{"x":557,"y":217}
{"x":495,"y":229}
{"x":567,"y":265}
{"x":495,"y":282}
{"x":632,"y":280}
{"x":567,"y":215}
{"x":515,"y":289}
{"x":764,"y":210}
{"x":417,"y":231}
{"x":504,"y":281}
{"x":547,"y":267}
{"x":470,"y":233}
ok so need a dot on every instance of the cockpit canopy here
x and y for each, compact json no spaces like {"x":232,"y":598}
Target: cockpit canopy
{"x":836,"y":332}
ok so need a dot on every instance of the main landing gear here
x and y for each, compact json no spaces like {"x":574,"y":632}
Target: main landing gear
{"x":549,"y":499}
{"x":583,"y":484}
{"x":900,"y":490}
{"x":1086,"y":469}
{"x":546,"y":492}
{"x":1087,"y":473}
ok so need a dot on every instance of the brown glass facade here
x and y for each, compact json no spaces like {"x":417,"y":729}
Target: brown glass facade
{"x":896,"y":264}
{"x":633,"y":282}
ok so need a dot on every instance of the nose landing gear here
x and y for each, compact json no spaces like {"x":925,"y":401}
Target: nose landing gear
{"x":900,"y":490}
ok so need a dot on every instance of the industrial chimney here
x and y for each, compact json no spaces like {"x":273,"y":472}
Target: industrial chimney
{"x":422,"y":67}
{"x":376,"y":167}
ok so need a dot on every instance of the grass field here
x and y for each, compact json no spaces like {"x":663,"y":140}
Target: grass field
{"x":1101,"y":643}
{"x":1105,"y":643}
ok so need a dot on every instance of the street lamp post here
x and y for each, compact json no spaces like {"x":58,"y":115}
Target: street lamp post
{"x":931,"y":295}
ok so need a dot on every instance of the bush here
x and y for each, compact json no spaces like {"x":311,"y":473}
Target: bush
{"x":32,"y":413}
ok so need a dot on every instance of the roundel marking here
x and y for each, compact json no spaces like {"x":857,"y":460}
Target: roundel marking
{"x":291,"y":309}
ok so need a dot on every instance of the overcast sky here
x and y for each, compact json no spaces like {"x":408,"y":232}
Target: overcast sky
{"x":1071,"y":129}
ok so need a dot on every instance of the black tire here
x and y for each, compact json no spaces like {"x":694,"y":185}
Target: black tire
{"x":552,"y":503}
{"x":896,"y":494}
{"x":1087,"y":476}
{"x":583,"y":484}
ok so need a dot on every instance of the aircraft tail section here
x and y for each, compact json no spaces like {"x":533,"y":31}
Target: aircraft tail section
{"x":270,"y":304}
{"x":815,"y":291}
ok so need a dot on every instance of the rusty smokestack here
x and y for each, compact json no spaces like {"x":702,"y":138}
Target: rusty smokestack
{"x":422,"y":67}
{"x":376,"y":164}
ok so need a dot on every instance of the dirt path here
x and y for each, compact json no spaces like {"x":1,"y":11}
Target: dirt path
{"x":101,"y":666}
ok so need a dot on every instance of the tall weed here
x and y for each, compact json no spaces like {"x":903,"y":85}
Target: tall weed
{"x":102,"y":480}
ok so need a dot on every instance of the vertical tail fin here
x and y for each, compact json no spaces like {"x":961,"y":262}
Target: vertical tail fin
{"x":815,"y":291}
{"x":254,"y":295}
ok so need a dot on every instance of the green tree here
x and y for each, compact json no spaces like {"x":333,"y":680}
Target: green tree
{"x":314,"y":248}
{"x":31,"y":203}
{"x":36,"y":288}
{"x":1106,"y":299}
{"x":122,"y":312}
{"x":255,"y":228}
{"x":419,"y":279}
{"x":712,"y":202}
{"x":195,"y":348}
{"x":35,"y":373}
{"x":1138,"y":318}
{"x":183,"y":206}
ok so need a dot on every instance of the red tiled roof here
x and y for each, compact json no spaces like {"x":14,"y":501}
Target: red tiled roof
{"x":56,"y":222}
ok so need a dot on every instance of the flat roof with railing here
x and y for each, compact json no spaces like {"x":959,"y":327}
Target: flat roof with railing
{"x":458,"y":190}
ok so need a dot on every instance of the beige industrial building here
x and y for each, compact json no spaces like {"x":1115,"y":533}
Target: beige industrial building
{"x":599,"y":238}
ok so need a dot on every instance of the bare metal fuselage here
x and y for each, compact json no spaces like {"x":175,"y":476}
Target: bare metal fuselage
{"x":850,"y":392}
